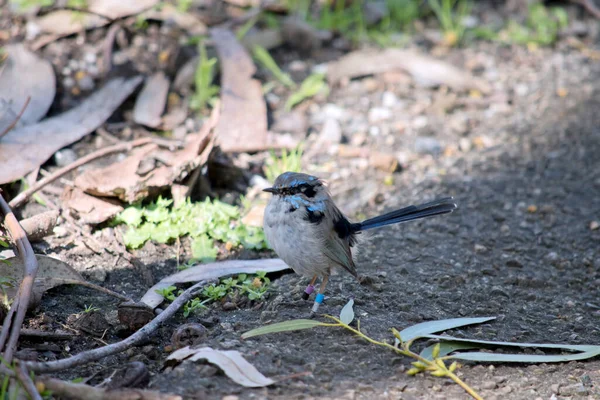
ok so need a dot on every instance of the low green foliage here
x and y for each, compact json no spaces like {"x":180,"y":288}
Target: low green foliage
{"x":265,"y":59}
{"x":204,"y":222}
{"x":310,"y":87}
{"x":88,"y":309}
{"x":205,"y":92}
{"x":450,"y":14}
{"x":168,"y":293}
{"x":288,"y":162}
{"x":24,"y":5}
{"x":184,"y":5}
{"x":542,"y":28}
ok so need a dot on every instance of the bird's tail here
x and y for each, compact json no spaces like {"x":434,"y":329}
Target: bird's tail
{"x":436,"y":207}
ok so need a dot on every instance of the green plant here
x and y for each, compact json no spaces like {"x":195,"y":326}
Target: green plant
{"x":168,"y":293}
{"x":204,"y":222}
{"x":193,"y":306}
{"x":450,"y":14}
{"x":310,"y":87}
{"x":263,"y":56}
{"x":215,"y":292}
{"x":78,"y":4}
{"x":184,"y":6}
{"x":88,"y":309}
{"x":205,"y":73}
{"x":543,"y":26}
{"x":24,"y":5}
{"x":288,"y":162}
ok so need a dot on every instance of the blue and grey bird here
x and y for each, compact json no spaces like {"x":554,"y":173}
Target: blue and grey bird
{"x":309,"y":232}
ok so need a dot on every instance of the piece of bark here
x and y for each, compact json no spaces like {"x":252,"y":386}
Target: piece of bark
{"x":28,"y":147}
{"x":41,"y":225}
{"x":243,"y":127}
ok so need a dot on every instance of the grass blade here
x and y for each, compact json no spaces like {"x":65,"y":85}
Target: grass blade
{"x":347,"y":313}
{"x":293,"y":325}
{"x":426,"y":328}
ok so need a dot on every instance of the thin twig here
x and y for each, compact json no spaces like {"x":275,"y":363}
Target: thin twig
{"x":17,"y":118}
{"x":23,"y":196}
{"x":34,"y":333}
{"x":140,"y":335}
{"x":27,"y":383}
{"x":86,"y":392}
{"x":589,"y":6}
{"x":8,"y":342}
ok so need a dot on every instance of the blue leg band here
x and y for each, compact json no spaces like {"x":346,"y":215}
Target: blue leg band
{"x":319,"y":298}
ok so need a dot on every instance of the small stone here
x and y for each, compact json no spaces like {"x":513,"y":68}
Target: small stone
{"x":60,"y":231}
{"x":554,"y":387}
{"x":479,"y":248}
{"x":552,"y":256}
{"x":576,"y":389}
{"x":532,"y":208}
{"x":230,"y":397}
{"x":294,"y":122}
{"x":464,"y":145}
{"x":331,"y":132}
{"x":389,"y":100}
{"x":504,"y":390}
{"x":86,"y":83}
{"x":594,"y":225}
{"x":379,"y":114}
{"x":428,"y":145}
{"x":90,"y":58}
{"x":68,"y":82}
{"x":97,"y":274}
{"x":487,"y":385}
{"x":297,"y":66}
{"x":570,"y":303}
{"x":420,"y":122}
{"x":230,"y":344}
{"x":64,"y":157}
{"x":66,"y":71}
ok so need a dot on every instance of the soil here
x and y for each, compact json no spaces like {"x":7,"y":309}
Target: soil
{"x":524,"y":170}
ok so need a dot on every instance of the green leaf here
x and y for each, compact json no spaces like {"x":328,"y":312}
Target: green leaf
{"x":573,"y":347}
{"x":203,"y":249}
{"x":347,"y":313}
{"x":426,"y":328}
{"x":293,"y":325}
{"x":526,"y":358}
{"x":3,"y":243}
{"x":310,"y":87}
{"x":131,"y":216}
{"x":446,"y":348}
{"x":136,"y":237}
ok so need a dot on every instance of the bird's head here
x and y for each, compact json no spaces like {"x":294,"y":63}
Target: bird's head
{"x":297,"y":184}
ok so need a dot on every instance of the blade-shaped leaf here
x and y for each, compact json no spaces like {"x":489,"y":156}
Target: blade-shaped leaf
{"x":446,"y":348}
{"x":293,"y":325}
{"x":429,"y":327}
{"x":231,"y":362}
{"x":525,"y":358}
{"x":573,"y":347}
{"x":347,"y":313}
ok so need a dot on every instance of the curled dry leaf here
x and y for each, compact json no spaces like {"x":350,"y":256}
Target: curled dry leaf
{"x":425,"y":70}
{"x":89,"y":209}
{"x":26,"y":76}
{"x":169,"y":13}
{"x":40,"y":225}
{"x":150,"y":169}
{"x":27,"y":148}
{"x":231,"y":362}
{"x":243,"y":104}
{"x":212,"y":271}
{"x":151,"y":101}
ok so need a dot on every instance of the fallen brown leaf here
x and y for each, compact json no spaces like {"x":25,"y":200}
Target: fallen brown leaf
{"x":89,"y":209}
{"x":25,"y":75}
{"x":425,"y":70}
{"x":150,"y":169}
{"x":28,"y":147}
{"x":244,"y":123}
{"x":169,"y":13}
{"x":40,"y":225}
{"x":231,"y":362}
{"x":151,"y":101}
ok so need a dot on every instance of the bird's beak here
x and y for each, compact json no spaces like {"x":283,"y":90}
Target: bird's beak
{"x":270,"y":190}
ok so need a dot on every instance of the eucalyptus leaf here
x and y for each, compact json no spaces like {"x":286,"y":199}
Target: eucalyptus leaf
{"x":293,"y":325}
{"x":426,"y":328}
{"x":573,"y":347}
{"x":525,"y":358}
{"x":347,"y":313}
{"x":446,"y":348}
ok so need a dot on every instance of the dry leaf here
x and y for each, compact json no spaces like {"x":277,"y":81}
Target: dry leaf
{"x":231,"y":362}
{"x":51,"y":273}
{"x":244,"y":127}
{"x":425,"y":70}
{"x":40,"y":225}
{"x":29,"y":147}
{"x":131,"y":180}
{"x":151,"y":101}
{"x":170,"y":13}
{"x":25,"y":75}
{"x":89,"y":209}
{"x":212,"y":271}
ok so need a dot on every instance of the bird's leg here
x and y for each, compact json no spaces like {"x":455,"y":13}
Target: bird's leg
{"x":310,"y":288}
{"x":320,"y":295}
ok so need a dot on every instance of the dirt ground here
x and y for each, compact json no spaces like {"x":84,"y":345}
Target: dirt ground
{"x":524,"y":169}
